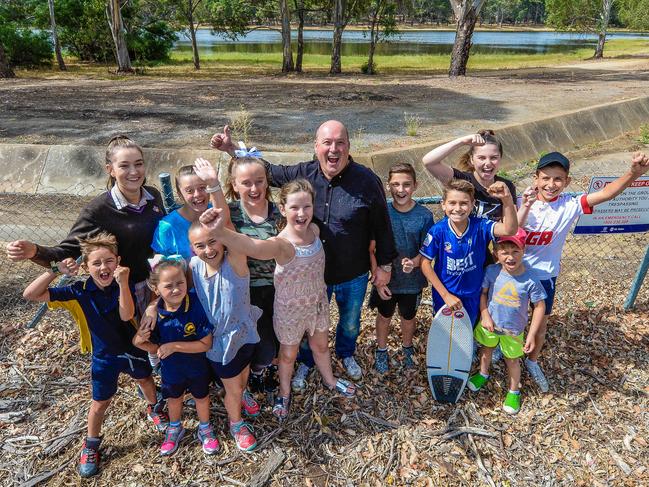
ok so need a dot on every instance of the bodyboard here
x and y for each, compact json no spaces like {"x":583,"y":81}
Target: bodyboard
{"x":449,"y":353}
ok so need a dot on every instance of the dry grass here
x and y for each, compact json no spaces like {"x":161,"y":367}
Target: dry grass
{"x":591,"y":429}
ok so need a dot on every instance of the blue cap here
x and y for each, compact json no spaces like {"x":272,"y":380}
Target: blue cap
{"x":554,"y":158}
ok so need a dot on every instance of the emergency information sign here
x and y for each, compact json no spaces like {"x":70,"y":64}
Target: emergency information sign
{"x":627,"y":213}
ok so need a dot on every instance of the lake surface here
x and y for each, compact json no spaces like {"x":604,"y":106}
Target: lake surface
{"x":410,"y":42}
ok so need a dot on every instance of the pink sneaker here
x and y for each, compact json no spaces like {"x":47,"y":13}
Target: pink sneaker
{"x":172,"y":439}
{"x":250,"y":406}
{"x":208,"y":440}
{"x":242,"y":434}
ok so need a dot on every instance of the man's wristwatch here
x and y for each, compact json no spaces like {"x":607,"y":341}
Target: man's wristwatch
{"x":386,"y":267}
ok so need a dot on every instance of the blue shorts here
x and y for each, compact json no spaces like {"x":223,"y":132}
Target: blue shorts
{"x":105,"y":371}
{"x":550,"y":286}
{"x":234,"y":367}
{"x":471,"y":305}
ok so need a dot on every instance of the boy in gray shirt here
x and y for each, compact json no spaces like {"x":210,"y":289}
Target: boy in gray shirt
{"x":410,"y":222}
{"x":507,"y":289}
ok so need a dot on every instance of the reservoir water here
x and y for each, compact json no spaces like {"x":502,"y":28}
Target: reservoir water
{"x":355,"y":42}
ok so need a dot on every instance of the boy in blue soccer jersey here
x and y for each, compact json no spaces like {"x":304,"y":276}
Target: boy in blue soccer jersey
{"x":458,"y":244}
{"x":103,"y":307}
{"x":181,"y":336}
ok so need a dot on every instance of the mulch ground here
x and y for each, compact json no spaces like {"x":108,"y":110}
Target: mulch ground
{"x":590,"y":429}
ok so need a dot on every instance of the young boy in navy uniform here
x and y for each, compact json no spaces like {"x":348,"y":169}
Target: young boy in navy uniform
{"x":103,"y":307}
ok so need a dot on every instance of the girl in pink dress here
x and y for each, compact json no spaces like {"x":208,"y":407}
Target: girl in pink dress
{"x":301,"y":303}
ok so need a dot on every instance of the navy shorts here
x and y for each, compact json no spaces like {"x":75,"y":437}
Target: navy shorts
{"x":550,"y":286}
{"x":198,"y":386}
{"x":105,"y":371}
{"x":408,"y":304}
{"x":234,"y":367}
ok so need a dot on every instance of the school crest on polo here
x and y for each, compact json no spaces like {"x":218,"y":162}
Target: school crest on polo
{"x":190,"y":329}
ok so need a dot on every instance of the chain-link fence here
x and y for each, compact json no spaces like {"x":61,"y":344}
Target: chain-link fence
{"x":590,"y":262}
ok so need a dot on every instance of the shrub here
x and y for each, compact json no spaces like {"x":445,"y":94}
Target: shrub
{"x":365,"y":68}
{"x":25,"y":47}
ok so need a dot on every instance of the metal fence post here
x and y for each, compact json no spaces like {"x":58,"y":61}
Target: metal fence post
{"x":167,"y":191}
{"x":637,"y":281}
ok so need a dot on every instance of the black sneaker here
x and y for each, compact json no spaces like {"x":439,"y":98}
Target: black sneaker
{"x":256,"y":382}
{"x":270,"y":380}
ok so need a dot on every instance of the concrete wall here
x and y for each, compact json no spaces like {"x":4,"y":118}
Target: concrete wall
{"x":80,"y":169}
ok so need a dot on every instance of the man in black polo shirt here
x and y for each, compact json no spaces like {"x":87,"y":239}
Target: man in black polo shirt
{"x":350,"y":209}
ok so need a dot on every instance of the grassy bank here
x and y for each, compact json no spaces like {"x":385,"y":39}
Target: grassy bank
{"x":244,"y":64}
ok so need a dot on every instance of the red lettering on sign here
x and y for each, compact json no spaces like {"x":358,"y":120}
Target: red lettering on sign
{"x":539,"y":238}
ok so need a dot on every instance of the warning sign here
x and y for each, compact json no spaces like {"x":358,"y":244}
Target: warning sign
{"x":627,"y":213}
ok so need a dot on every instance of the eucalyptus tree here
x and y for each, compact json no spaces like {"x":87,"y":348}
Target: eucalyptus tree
{"x":466,"y":14}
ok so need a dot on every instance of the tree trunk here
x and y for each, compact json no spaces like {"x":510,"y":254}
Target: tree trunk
{"x":55,"y":37}
{"x":5,"y":69}
{"x":192,"y":33}
{"x":116,"y":25}
{"x":605,"y":16}
{"x":299,"y":9}
{"x":287,"y":53}
{"x":374,"y":38}
{"x":466,"y":13}
{"x":339,"y":25}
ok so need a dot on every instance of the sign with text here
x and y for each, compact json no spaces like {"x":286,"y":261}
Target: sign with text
{"x":627,"y":213}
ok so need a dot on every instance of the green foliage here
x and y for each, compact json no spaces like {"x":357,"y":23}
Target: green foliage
{"x":644,"y":134}
{"x":578,"y":15}
{"x":152,"y":42}
{"x":365,"y":68}
{"x":231,"y":17}
{"x":634,"y":13}
{"x":413,"y":122}
{"x":24,"y":47}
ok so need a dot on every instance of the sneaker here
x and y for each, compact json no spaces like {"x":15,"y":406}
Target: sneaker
{"x":242,"y":434}
{"x":249,"y":405}
{"x":159,"y":418}
{"x":298,"y":384}
{"x":408,"y":361}
{"x":497,"y":355}
{"x":208,"y":440}
{"x":256,"y":382}
{"x":537,"y":374}
{"x":353,"y":369}
{"x":89,"y":461}
{"x":270,"y":380}
{"x":381,"y":361}
{"x":281,"y":407}
{"x":476,"y":382}
{"x":172,"y":440}
{"x":512,"y":403}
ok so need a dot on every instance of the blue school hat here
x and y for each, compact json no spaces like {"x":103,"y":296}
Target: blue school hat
{"x":554,"y":158}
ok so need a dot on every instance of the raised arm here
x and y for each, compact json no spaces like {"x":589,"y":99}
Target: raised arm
{"x":126,"y":304}
{"x":69,"y":247}
{"x":273,"y":248}
{"x":433,"y":160}
{"x":639,"y":166}
{"x":38,"y":289}
{"x":509,"y":225}
{"x":279,"y":174}
{"x":204,"y":170}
